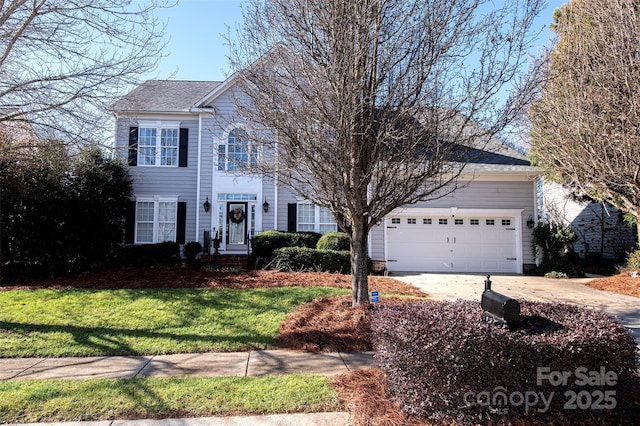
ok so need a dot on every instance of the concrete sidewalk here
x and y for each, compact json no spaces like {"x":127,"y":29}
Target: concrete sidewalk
{"x":296,"y":419}
{"x":254,"y":363}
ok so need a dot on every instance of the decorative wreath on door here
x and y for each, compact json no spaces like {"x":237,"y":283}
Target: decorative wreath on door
{"x":236,"y":215}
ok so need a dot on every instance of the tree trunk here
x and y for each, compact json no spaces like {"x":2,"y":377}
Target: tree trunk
{"x":359,"y":267}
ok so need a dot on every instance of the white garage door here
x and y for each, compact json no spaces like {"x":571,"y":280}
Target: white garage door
{"x":448,"y":244}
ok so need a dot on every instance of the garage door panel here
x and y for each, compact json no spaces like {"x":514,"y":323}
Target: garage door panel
{"x":443,"y":244}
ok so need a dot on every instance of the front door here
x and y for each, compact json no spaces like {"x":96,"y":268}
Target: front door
{"x":237,"y":225}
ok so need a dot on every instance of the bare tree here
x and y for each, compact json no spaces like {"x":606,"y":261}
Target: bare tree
{"x":586,"y":125}
{"x":62,"y":62}
{"x":371,"y":105}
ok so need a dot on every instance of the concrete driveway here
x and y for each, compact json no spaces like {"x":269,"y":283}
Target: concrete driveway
{"x":573,"y":291}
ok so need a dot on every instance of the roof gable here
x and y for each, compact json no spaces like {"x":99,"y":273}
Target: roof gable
{"x":165,"y":95}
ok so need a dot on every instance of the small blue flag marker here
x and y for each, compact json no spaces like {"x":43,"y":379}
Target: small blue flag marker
{"x":374,"y":297}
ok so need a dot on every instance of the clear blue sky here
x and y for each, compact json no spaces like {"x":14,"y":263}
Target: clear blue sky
{"x":197,"y":48}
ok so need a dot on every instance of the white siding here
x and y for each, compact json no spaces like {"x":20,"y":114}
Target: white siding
{"x":166,"y":181}
{"x":600,"y":228}
{"x":479,"y":195}
{"x":183,"y":182}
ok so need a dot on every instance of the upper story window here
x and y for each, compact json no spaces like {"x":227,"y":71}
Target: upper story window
{"x":237,"y":153}
{"x":158,"y":144}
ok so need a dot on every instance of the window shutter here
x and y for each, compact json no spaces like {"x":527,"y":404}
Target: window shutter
{"x":133,"y":146}
{"x":130,"y":222}
{"x":292,"y":217}
{"x":182,"y":223}
{"x":183,"y":149}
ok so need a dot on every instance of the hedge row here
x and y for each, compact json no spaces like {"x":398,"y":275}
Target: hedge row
{"x":298,"y":259}
{"x":445,"y":364}
{"x":265,"y":243}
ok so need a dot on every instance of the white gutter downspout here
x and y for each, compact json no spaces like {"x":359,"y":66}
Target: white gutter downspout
{"x":275,"y":213}
{"x":276,"y":183}
{"x":198,"y":178}
{"x":535,"y":210}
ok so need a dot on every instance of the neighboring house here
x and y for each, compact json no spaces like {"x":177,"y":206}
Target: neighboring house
{"x":183,"y":138}
{"x":602,"y":232}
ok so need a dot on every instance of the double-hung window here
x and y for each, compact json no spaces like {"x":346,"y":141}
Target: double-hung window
{"x":313,"y":218}
{"x":237,"y":153}
{"x":156,"y":220}
{"x":158,"y":144}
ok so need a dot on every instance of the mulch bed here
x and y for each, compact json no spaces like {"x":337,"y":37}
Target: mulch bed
{"x":186,"y":277}
{"x":622,"y":283}
{"x":330,"y":324}
{"x":362,"y":393}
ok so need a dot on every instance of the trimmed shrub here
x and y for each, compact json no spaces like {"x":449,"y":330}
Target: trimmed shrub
{"x":633,"y":262}
{"x":265,"y":243}
{"x":305,"y":239}
{"x":338,"y":241}
{"x":555,"y":274}
{"x":161,"y":254}
{"x":445,"y":364}
{"x":191,"y":250}
{"x":554,"y":241}
{"x":308,"y":259}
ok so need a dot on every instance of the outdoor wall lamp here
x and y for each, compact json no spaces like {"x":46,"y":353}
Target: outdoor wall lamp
{"x":530,"y":222}
{"x":207,"y":205}
{"x":265,"y":206}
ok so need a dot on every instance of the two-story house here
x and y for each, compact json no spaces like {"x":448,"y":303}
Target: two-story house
{"x":185,"y":141}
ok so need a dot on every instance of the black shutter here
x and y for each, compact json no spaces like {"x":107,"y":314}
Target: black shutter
{"x":183,"y":150}
{"x":133,"y":146}
{"x":292,"y":217}
{"x":182,"y":223}
{"x":130,"y":222}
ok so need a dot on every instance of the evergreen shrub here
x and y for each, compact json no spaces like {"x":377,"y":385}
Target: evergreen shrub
{"x":298,"y":259}
{"x":191,"y":250}
{"x":338,"y":241}
{"x":265,"y":243}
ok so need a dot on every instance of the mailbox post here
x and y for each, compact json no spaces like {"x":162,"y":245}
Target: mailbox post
{"x":499,"y":307}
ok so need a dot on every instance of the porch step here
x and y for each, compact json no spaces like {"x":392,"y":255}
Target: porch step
{"x":238,"y":261}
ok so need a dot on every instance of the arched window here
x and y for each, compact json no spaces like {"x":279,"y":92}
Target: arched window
{"x":238,"y":153}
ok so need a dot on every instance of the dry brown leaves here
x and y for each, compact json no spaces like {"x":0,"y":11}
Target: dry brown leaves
{"x":329,"y":324}
{"x":185,"y":277}
{"x":363,"y":394}
{"x":622,"y":283}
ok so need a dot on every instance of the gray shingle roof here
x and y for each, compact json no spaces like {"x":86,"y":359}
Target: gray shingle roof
{"x":165,"y":95}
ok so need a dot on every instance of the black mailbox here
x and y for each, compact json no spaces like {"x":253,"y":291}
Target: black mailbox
{"x":499,"y":306}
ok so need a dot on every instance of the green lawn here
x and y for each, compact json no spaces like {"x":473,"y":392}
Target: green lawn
{"x":105,"y":399}
{"x":77,"y":322}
